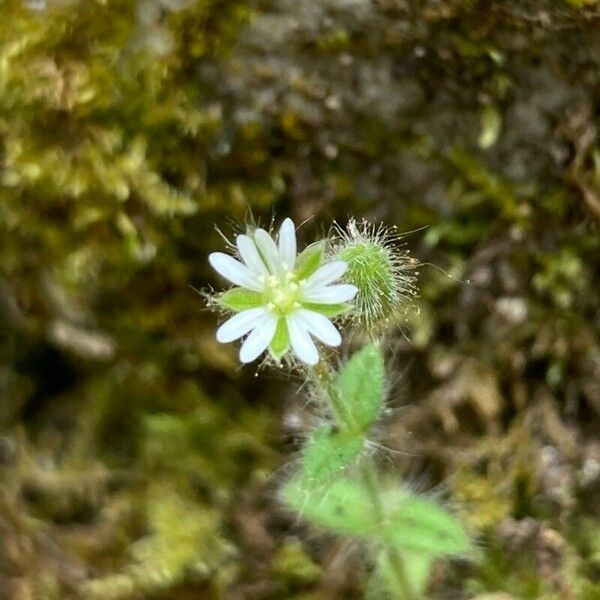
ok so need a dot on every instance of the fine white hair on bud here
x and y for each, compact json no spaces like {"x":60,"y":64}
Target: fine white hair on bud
{"x":380,"y":267}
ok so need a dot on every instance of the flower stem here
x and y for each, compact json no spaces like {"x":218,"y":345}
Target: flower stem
{"x":369,"y":478}
{"x":324,"y":380}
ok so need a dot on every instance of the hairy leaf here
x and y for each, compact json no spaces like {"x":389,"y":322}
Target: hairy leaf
{"x":343,"y":506}
{"x":327,"y":453}
{"x":418,"y":524}
{"x":411,"y":523}
{"x":361,"y":383}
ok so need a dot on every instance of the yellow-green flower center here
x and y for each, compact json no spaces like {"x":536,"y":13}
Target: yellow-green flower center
{"x":282,"y":293}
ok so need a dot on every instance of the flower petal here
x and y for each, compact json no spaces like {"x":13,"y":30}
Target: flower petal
{"x":331,"y":294}
{"x":268,"y":250}
{"x":302,"y":344}
{"x":250,"y":255}
{"x":319,"y":326}
{"x":240,"y":324}
{"x":234,"y":270}
{"x":287,"y":244}
{"x":256,"y":343}
{"x":326,"y":274}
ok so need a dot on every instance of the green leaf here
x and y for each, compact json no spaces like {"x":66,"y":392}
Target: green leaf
{"x":327,"y":453}
{"x":411,"y":523}
{"x":361,"y":383}
{"x":329,"y":310}
{"x":420,"y":525}
{"x":310,"y":259}
{"x":280,"y":343}
{"x":342,"y":506}
{"x":239,"y":299}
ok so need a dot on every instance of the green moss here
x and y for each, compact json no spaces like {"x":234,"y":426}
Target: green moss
{"x":294,"y":569}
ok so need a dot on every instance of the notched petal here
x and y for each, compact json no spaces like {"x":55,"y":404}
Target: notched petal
{"x":326,"y":274}
{"x":250,"y":255}
{"x":320,"y":327}
{"x":332,"y":294}
{"x":234,"y":271}
{"x":260,"y":338}
{"x":240,"y":324}
{"x":287,"y":244}
{"x":302,"y":345}
{"x":268,"y":250}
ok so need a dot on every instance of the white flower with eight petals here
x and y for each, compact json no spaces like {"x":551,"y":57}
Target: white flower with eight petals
{"x":282,"y":300}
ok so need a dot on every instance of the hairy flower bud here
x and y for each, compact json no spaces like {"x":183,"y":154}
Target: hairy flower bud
{"x":379,"y":266}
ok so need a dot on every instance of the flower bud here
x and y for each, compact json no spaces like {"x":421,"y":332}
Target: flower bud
{"x":379,"y":266}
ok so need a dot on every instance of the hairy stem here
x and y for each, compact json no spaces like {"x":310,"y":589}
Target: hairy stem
{"x":324,"y":380}
{"x":369,"y":478}
{"x":331,"y":396}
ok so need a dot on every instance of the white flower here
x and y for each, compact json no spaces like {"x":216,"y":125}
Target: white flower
{"x":282,"y":300}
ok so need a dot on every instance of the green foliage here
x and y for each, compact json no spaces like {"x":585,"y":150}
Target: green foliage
{"x":180,"y":539}
{"x":191,"y":446}
{"x":361,"y":383}
{"x":383,"y":583}
{"x":294,"y":568}
{"x":409,"y":522}
{"x":421,"y":526}
{"x":338,"y":489}
{"x":343,"y":507}
{"x":327,"y":453}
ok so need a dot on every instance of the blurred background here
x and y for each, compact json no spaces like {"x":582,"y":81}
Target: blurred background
{"x":137,"y":458}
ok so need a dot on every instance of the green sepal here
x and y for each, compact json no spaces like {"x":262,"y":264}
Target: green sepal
{"x":421,"y":525}
{"x":327,"y":453}
{"x":280,"y":343}
{"x":361,"y":382}
{"x":342,"y":506}
{"x":238,"y":299}
{"x":310,"y":259}
{"x":329,"y":310}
